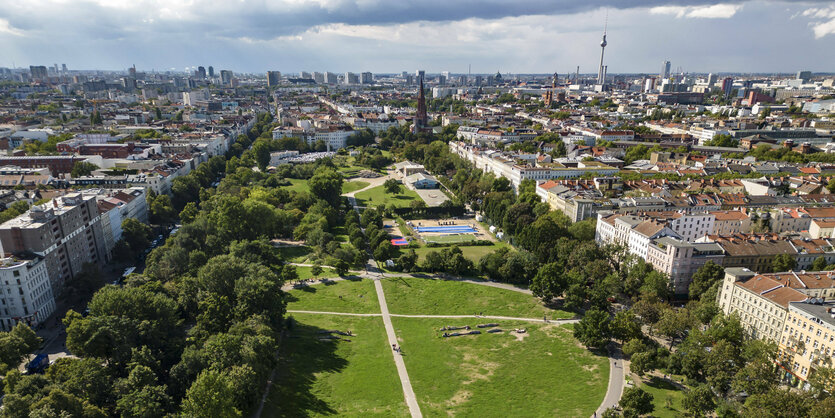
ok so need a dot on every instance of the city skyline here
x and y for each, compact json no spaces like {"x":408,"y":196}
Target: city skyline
{"x":525,"y":37}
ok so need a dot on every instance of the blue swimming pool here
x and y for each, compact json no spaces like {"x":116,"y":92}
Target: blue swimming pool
{"x":447,"y":229}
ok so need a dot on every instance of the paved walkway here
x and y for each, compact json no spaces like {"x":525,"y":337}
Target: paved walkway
{"x":408,"y":393}
{"x":502,"y":318}
{"x":372,"y":182}
{"x":616,"y":380}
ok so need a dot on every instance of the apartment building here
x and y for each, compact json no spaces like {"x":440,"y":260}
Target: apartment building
{"x":679,"y":259}
{"x":475,"y":135}
{"x":114,"y":208}
{"x":577,"y":205}
{"x":507,"y":166}
{"x":729,"y":222}
{"x":66,"y":232}
{"x":808,"y":339}
{"x":690,"y":226}
{"x":334,"y":137}
{"x":26,"y":292}
{"x":761,"y":302}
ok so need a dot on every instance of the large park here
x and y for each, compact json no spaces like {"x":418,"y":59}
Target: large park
{"x":507,"y":360}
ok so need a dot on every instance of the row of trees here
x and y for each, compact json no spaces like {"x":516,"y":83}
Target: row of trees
{"x":196,"y":333}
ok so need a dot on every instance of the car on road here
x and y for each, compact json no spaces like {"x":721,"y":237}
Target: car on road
{"x":38,"y":364}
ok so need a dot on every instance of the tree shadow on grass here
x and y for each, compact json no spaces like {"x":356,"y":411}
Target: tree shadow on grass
{"x":662,"y":384}
{"x":302,"y":356}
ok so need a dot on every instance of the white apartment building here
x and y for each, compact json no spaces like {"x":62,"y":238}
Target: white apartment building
{"x":760,"y":301}
{"x":476,"y":135}
{"x":333,"y":137}
{"x":495,"y":162}
{"x":26,"y":292}
{"x":788,"y":220}
{"x":706,"y":134}
{"x":690,"y":226}
{"x":633,"y":232}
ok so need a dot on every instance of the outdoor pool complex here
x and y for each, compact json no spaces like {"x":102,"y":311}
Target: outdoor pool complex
{"x":447,"y":229}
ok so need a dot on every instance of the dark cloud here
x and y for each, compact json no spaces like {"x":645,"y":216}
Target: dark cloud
{"x":243,"y":34}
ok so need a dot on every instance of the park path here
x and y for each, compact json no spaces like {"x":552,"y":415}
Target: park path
{"x":616,"y":380}
{"x":503,"y":318}
{"x":408,"y":393}
{"x":372,"y":182}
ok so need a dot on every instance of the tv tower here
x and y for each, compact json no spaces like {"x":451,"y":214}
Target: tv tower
{"x":601,"y":75}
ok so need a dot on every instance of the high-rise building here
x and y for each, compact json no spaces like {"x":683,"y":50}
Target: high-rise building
{"x":211,"y":71}
{"x":319,"y":77}
{"x":226,"y":77}
{"x":64,"y":68}
{"x":665,"y":70}
{"x":132,"y":71}
{"x":331,"y":78}
{"x":273,"y":78}
{"x":306,"y":75}
{"x":201,"y":72}
{"x":66,"y":232}
{"x":727,"y":86}
{"x":367,"y":78}
{"x":351,"y":78}
{"x":711,"y":79}
{"x":129,"y":84}
{"x":804,"y":75}
{"x":38,"y":72}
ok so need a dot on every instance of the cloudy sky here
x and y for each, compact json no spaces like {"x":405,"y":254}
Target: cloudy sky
{"x":516,"y":36}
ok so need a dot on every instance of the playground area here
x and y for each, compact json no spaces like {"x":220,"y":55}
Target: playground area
{"x":449,"y":230}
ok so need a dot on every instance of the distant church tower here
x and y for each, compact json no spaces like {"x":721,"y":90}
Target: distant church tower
{"x":421,"y":119}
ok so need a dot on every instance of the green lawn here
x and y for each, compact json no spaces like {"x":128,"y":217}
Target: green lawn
{"x":298,"y":185}
{"x":449,"y":239}
{"x":472,"y":253}
{"x":317,"y":378}
{"x":357,"y":296}
{"x":306,"y":273}
{"x":661,"y":391}
{"x":412,"y":296}
{"x":295,"y":254}
{"x":350,"y":186}
{"x":544,"y":372}
{"x":377,"y":195}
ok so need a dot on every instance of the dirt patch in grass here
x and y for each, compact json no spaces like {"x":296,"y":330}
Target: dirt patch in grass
{"x":460,"y":397}
{"x":476,"y":368}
